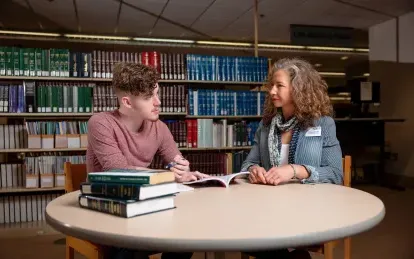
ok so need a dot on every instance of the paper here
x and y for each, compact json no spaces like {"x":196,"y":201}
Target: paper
{"x":224,"y":180}
{"x":366,"y":91}
{"x":184,"y":188}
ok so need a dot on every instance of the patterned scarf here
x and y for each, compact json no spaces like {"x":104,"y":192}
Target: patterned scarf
{"x":275,"y":138}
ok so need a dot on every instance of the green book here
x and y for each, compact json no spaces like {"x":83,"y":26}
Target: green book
{"x":132,"y":176}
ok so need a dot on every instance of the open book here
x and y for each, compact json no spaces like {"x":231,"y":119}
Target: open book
{"x":224,"y":180}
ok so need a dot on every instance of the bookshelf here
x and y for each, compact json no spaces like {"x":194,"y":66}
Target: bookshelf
{"x":54,"y":87}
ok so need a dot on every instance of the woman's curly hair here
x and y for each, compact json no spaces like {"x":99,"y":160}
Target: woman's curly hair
{"x":309,"y":92}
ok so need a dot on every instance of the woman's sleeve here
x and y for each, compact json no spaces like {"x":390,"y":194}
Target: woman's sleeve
{"x":254,"y":156}
{"x":330,"y":169}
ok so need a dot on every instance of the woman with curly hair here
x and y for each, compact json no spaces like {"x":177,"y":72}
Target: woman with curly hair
{"x":297,"y":137}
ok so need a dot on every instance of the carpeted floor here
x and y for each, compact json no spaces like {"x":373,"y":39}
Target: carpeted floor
{"x":391,"y":239}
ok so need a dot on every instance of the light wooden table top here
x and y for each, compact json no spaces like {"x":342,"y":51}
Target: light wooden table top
{"x":242,"y":217}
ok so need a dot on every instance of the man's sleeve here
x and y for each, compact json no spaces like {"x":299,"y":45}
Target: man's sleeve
{"x":102,"y":141}
{"x":168,"y":148}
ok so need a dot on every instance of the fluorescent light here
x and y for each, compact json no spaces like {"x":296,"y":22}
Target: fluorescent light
{"x":46,"y":34}
{"x":344,"y":57}
{"x":366,"y":74}
{"x":225,"y":43}
{"x":362,"y":50}
{"x":81,"y":36}
{"x":263,"y":45}
{"x":329,"y":48}
{"x":164,"y":40}
{"x":332,"y":74}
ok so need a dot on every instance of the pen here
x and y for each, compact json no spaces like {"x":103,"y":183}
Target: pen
{"x":172,"y":164}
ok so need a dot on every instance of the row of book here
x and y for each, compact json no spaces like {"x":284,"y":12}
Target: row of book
{"x":214,"y":164}
{"x":189,"y":133}
{"x":24,"y":208}
{"x":37,"y":171}
{"x":44,"y":134}
{"x":48,"y":96}
{"x":68,"y":97}
{"x":16,"y":61}
{"x":128,"y":193}
{"x":207,"y":133}
{"x":225,"y":102}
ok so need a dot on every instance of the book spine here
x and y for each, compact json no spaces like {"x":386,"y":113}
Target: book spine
{"x":119,"y":179}
{"x":112,"y":207}
{"x":114,"y":190}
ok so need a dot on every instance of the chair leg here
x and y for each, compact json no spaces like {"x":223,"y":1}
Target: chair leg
{"x":70,"y":252}
{"x":347,"y":248}
{"x":328,"y":250}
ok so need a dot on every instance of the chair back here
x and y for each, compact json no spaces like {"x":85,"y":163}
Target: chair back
{"x":347,"y":167}
{"x":75,"y":174}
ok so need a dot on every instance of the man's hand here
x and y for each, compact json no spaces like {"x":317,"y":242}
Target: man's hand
{"x":257,"y":174}
{"x":278,"y":175}
{"x":189,"y":176}
{"x":181,"y":164}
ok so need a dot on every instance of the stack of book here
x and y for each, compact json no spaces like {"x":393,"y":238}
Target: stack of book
{"x":129,"y":193}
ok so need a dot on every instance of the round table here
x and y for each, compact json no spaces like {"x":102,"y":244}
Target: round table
{"x":239,"y":218}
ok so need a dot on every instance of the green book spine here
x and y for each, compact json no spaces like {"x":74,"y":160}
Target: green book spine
{"x":39,"y":98}
{"x":113,"y":190}
{"x":55,"y":99}
{"x":61,"y":103}
{"x":113,"y":207}
{"x":49,"y":98}
{"x":70,"y":98}
{"x":38,"y":62}
{"x":45,"y":62}
{"x":16,"y":61}
{"x":32,"y":62}
{"x":2,"y":62}
{"x":9,"y":61}
{"x":89,"y":98}
{"x":24,"y":62}
{"x":65,"y":98}
{"x":52,"y":63}
{"x":66,"y":62}
{"x":137,"y":179}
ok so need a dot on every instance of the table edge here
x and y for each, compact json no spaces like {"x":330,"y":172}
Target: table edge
{"x":205,"y":245}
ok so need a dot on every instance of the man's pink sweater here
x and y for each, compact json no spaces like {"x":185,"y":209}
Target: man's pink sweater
{"x":111,"y":145}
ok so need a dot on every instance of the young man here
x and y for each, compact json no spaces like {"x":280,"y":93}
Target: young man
{"x":130,"y":136}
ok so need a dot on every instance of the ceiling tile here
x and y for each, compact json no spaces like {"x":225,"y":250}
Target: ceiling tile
{"x":60,"y":12}
{"x":153,"y":6}
{"x":222,"y":15}
{"x":97,"y":20}
{"x":185,"y":12}
{"x":134,"y":22}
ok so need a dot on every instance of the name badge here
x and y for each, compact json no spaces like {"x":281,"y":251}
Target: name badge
{"x":314,"y":132}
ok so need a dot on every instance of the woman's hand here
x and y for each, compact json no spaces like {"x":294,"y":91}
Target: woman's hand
{"x":278,"y":175}
{"x":257,"y":174}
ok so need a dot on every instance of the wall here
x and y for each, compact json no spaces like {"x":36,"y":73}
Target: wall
{"x":396,"y":76}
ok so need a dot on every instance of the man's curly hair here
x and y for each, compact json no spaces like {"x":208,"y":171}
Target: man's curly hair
{"x":309,"y":92}
{"x":134,"y":79}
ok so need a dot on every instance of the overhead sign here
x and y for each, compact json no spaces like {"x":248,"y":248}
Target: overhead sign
{"x":321,"y":35}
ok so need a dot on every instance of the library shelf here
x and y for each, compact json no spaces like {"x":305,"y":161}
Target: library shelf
{"x":224,"y":116}
{"x":38,"y":150}
{"x":30,"y":150}
{"x":214,"y":148}
{"x":69,"y":114}
{"x":93,"y":79}
{"x":25,"y":190}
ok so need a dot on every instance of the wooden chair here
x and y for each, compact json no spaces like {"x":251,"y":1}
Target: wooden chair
{"x":327,"y":248}
{"x":75,"y":174}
